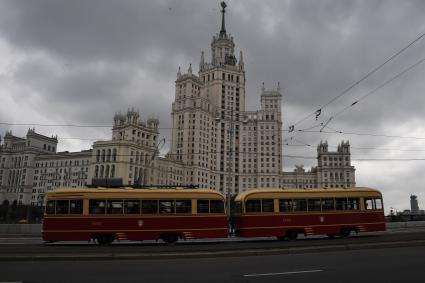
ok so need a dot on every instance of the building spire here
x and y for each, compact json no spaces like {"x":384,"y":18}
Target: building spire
{"x":223,"y":26}
{"x":240,"y":58}
{"x":201,"y":64}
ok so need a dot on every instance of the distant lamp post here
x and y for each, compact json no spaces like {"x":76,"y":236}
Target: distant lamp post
{"x":159,"y":146}
{"x":229,"y":167}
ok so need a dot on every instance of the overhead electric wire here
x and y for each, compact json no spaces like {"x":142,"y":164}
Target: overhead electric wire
{"x":264,"y":155}
{"x":300,"y":143}
{"x":379,"y":87}
{"x":362,"y":79}
{"x":365,"y":148}
{"x":325,"y":124}
{"x":111,"y":126}
{"x":367,"y":134}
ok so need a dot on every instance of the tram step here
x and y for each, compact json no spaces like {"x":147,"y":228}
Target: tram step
{"x":308,"y":231}
{"x":361,"y":228}
{"x":188,"y":236}
{"x":121,"y":236}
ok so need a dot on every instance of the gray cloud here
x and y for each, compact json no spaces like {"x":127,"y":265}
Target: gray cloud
{"x":81,"y":61}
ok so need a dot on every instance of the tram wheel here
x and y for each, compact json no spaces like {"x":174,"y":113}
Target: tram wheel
{"x":104,"y":239}
{"x":292,"y":235}
{"x":170,"y":238}
{"x":345,"y":233}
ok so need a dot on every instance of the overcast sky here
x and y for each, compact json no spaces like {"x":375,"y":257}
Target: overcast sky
{"x":79,"y":62}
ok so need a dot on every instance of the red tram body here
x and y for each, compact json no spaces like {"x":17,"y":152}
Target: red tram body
{"x":285,"y":213}
{"x":106,"y":215}
{"x":133,"y":214}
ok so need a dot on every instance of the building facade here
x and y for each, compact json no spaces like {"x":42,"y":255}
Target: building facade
{"x":333,"y":170}
{"x":132,"y":154}
{"x":221,"y":144}
{"x":17,"y":164}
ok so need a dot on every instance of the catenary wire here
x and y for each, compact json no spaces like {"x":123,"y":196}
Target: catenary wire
{"x":363,"y":78}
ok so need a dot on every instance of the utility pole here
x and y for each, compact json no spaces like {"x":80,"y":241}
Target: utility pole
{"x":230,"y":175}
{"x":148,"y":165}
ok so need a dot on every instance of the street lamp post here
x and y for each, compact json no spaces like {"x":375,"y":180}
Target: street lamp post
{"x":148,"y":165}
{"x":229,"y":172}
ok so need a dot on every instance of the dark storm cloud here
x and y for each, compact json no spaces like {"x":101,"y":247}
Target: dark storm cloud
{"x":81,"y":61}
{"x":87,"y":30}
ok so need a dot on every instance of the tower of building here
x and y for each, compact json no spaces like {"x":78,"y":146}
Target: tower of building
{"x":414,"y":207}
{"x":204,"y":108}
{"x":334,"y":167}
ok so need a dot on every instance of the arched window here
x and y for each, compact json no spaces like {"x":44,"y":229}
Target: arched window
{"x":101,"y":171}
{"x":108,"y":158}
{"x":112,"y":171}
{"x":141,"y":175}
{"x":107,"y":171}
{"x":136,"y":175}
{"x":97,"y":155}
{"x":96,"y":171}
{"x":103,"y":155}
{"x":114,"y":154}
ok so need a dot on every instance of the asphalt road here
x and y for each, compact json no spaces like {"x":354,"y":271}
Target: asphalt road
{"x":376,"y":265}
{"x":33,"y":248}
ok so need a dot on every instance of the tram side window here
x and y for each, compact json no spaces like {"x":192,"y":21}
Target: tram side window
{"x":76,"y":206}
{"x":253,"y":205}
{"x":285,"y":205}
{"x":50,"y":207}
{"x":300,"y":204}
{"x":149,"y":206}
{"x":132,"y":206}
{"x":314,"y":204}
{"x":328,"y":204}
{"x":97,"y":207}
{"x":184,"y":206}
{"x":166,"y":206}
{"x":216,"y":206}
{"x":373,"y":203}
{"x":62,"y":206}
{"x":378,"y":203}
{"x":369,"y":203}
{"x":114,"y":207}
{"x":353,"y":204}
{"x":267,"y":205}
{"x":341,"y":203}
{"x":203,"y":206}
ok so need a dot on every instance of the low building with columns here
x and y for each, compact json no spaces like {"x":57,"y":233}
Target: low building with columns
{"x":333,"y":170}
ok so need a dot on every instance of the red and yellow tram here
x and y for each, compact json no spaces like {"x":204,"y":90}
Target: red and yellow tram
{"x":106,"y":214}
{"x":285,"y":213}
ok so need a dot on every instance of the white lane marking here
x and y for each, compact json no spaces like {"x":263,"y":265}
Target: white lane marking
{"x":282,"y":273}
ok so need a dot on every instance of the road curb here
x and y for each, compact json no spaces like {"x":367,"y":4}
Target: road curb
{"x":210,"y":254}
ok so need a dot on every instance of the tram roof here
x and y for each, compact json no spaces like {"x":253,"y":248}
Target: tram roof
{"x":129,"y":192}
{"x":307,"y":192}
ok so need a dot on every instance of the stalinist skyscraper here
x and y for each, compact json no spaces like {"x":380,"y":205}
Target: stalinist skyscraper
{"x":216,"y":142}
{"x":213,"y":136}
